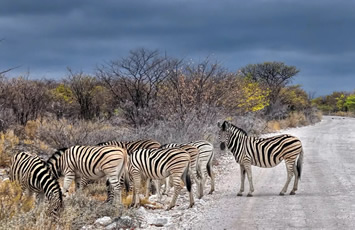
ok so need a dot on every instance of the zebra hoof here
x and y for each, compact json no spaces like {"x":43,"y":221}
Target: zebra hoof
{"x":292,"y":193}
{"x":240,"y":194}
{"x":281,"y":194}
{"x":169,"y":208}
{"x":249,"y":195}
{"x":211,"y":192}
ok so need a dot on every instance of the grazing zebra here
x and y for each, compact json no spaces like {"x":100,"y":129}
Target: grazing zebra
{"x":195,"y":171}
{"x":159,"y":164}
{"x":262,"y":152}
{"x":206,"y":156}
{"x":34,"y":176}
{"x":84,"y":163}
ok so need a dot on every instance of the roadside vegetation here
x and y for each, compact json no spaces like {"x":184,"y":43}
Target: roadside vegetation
{"x":143,"y":95}
{"x":337,"y":103}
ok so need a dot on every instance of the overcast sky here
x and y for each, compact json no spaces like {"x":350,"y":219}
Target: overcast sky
{"x":318,"y":37}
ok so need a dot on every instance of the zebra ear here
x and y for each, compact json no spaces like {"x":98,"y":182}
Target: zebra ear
{"x":219,"y":124}
{"x":224,"y":126}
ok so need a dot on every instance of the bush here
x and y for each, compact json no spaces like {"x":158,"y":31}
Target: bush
{"x":12,"y":201}
{"x":64,"y":133}
{"x":8,"y":146}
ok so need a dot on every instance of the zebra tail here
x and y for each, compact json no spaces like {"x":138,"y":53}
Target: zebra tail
{"x":209,"y":165}
{"x":299,"y":164}
{"x":126,"y":173}
{"x":186,"y":178}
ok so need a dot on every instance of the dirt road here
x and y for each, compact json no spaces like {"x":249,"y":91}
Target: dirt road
{"x":326,"y":196}
{"x":325,"y":199}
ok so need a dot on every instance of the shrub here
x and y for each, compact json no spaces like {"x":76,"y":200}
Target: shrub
{"x":12,"y":201}
{"x":8,"y":144}
{"x":64,"y":133}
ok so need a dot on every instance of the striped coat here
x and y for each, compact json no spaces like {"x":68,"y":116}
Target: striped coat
{"x":84,"y":163}
{"x":159,"y":164}
{"x":34,"y":175}
{"x":262,"y":152}
{"x":205,"y":160}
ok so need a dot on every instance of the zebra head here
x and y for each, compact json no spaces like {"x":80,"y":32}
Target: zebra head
{"x":54,"y":163}
{"x":223,"y":134}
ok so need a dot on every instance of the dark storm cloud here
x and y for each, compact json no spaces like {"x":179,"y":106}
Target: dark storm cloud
{"x":316,"y":36}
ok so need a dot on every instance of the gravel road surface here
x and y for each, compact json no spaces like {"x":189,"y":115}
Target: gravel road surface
{"x":325,"y":199}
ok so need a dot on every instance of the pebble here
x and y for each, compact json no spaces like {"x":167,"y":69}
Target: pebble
{"x":104,"y":221}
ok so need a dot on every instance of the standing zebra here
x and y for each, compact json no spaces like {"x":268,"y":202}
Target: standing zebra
{"x":131,"y":146}
{"x":194,"y":170}
{"x":159,"y":164}
{"x":262,"y":152}
{"x":206,"y":157}
{"x":84,"y":163}
{"x":34,"y":175}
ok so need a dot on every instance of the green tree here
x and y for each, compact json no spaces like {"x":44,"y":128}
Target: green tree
{"x":350,"y":102}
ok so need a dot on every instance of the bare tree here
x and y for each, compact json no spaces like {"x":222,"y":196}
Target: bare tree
{"x":134,"y":81}
{"x":83,"y":89}
{"x":27,"y":99}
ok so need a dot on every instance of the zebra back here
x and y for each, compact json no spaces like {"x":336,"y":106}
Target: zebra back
{"x":262,"y":152}
{"x":34,"y":175}
{"x":89,"y":161}
{"x":191,"y":150}
{"x":158,"y":163}
{"x":131,"y":146}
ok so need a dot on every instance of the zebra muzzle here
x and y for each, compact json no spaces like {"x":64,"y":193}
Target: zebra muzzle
{"x":222,"y":146}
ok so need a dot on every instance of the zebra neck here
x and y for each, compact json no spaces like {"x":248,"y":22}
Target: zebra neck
{"x":236,"y":145}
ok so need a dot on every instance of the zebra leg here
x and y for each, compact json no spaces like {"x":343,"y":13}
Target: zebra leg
{"x":166,"y":186}
{"x":202,"y":182}
{"x":114,"y":182}
{"x":77,"y":183}
{"x":295,"y":185}
{"x":177,"y":188}
{"x":197,"y":181}
{"x":147,"y":189}
{"x":136,"y":186}
{"x":242,"y":180}
{"x":83,"y":183}
{"x":250,"y":179}
{"x":158,"y":184}
{"x":110,"y":193}
{"x":289,"y":168}
{"x":211,"y":175}
{"x":39,"y":198}
{"x":68,"y":178}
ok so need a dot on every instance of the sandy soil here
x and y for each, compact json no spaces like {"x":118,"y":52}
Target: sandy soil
{"x":325,"y":199}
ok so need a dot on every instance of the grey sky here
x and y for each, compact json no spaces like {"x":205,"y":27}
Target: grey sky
{"x":46,"y":37}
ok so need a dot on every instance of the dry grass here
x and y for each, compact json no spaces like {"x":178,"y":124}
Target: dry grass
{"x":8,"y":143}
{"x":12,"y":200}
{"x":80,"y":209}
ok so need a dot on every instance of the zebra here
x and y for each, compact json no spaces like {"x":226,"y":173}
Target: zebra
{"x":131,"y":146}
{"x":262,"y":152}
{"x":194,"y":170}
{"x":206,"y":156}
{"x":35,"y":176}
{"x":85,"y":163}
{"x":159,"y":164}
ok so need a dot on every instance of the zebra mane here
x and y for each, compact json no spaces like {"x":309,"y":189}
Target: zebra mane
{"x":234,"y":127}
{"x":56,"y":154}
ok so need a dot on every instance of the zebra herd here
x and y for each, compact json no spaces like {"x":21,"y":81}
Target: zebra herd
{"x":121,"y":163}
{"x":128,"y":163}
